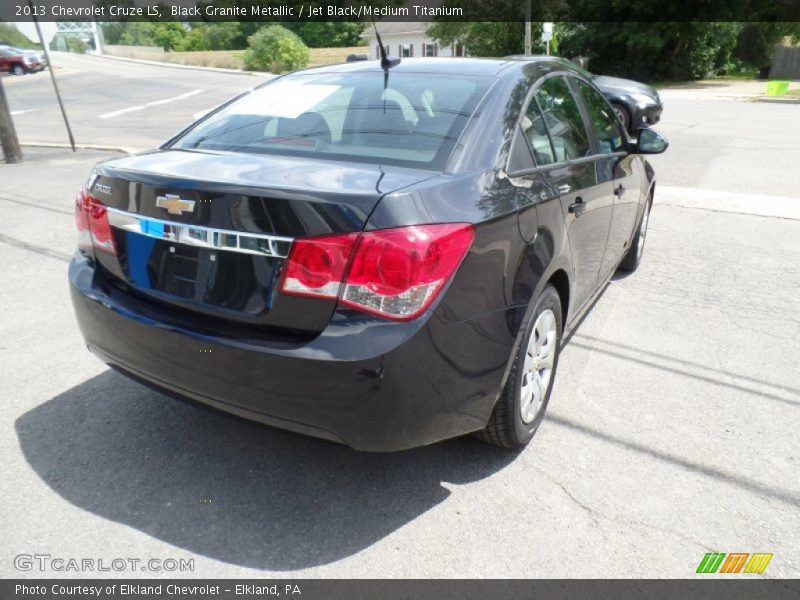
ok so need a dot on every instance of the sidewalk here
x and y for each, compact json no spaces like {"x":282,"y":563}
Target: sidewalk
{"x":713,"y":89}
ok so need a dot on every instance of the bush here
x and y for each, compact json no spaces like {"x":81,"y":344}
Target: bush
{"x":77,"y":45}
{"x":275,"y":49}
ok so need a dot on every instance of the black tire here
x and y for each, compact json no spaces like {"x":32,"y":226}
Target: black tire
{"x":633,"y":258}
{"x":18,"y":70}
{"x":623,"y":114}
{"x":506,"y":427}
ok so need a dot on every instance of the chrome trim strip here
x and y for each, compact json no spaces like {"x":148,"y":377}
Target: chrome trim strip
{"x":205,"y":237}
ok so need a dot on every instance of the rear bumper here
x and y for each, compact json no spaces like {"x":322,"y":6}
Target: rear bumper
{"x":370,"y":384}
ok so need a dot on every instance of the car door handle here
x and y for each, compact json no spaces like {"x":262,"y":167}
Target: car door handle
{"x":619,"y":190}
{"x":577,"y":207}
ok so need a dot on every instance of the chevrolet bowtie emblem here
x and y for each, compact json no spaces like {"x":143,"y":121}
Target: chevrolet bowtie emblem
{"x":175,"y":205}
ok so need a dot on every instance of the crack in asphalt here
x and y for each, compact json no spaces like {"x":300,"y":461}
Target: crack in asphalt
{"x":596,"y":515}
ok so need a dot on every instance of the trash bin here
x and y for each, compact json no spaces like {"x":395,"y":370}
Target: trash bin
{"x":777,"y":88}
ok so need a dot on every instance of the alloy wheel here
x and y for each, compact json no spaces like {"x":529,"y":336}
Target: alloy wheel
{"x":642,"y":231}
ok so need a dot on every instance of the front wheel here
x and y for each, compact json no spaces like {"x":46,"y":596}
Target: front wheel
{"x":521,"y":406}
{"x":622,"y":114}
{"x":634,"y":255}
{"x":17,"y":70}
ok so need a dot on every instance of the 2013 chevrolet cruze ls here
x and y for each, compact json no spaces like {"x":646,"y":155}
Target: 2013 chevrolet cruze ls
{"x":384,"y":257}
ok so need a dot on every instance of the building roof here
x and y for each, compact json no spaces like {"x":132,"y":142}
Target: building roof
{"x":395,"y":28}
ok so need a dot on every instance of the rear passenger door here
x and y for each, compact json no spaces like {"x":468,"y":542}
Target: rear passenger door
{"x":586,"y":198}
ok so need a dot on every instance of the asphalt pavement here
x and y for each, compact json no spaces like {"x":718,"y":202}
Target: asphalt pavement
{"x":117,"y":103}
{"x":672,"y":430}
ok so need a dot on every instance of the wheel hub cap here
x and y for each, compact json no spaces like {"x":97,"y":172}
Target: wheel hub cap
{"x":537,"y":369}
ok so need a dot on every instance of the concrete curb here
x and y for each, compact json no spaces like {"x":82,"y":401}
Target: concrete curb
{"x":757,"y":205}
{"x":778,"y":100}
{"x":177,"y":66}
{"x":99,"y":147}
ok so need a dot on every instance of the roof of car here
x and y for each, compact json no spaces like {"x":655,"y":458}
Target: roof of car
{"x":482,"y":67}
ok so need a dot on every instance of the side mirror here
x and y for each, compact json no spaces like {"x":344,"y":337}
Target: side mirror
{"x":650,"y":142}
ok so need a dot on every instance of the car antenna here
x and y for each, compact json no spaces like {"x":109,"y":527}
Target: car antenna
{"x":387,"y":62}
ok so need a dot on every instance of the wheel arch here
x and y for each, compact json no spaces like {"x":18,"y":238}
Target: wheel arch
{"x":560,"y":281}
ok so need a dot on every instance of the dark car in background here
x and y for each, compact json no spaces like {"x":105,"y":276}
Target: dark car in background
{"x":380,"y":257}
{"x":634,"y":103}
{"x":19,"y":62}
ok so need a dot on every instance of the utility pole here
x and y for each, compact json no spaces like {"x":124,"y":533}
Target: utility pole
{"x":8,"y":134}
{"x":527,"y":27}
{"x":52,"y":76}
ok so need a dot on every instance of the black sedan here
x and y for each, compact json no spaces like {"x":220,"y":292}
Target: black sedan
{"x":634,"y":103}
{"x":380,"y":257}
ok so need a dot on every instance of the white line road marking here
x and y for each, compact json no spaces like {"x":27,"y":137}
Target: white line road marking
{"x":116,"y":113}
{"x":22,"y":112}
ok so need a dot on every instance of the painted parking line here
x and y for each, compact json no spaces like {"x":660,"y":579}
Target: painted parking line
{"x":116,"y":113}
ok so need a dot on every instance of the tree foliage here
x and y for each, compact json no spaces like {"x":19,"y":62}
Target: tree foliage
{"x":645,"y":51}
{"x":328,"y":34}
{"x":214,"y":36}
{"x":275,"y":49}
{"x":492,"y":39}
{"x":168,"y":35}
{"x":675,"y":50}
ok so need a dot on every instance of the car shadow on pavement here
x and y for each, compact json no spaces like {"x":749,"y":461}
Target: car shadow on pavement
{"x":228,"y":489}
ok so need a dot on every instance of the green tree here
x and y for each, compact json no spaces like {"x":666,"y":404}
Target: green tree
{"x":652,"y":51}
{"x":490,"y":39}
{"x":275,"y":49}
{"x":328,"y":34}
{"x":214,"y":36}
{"x":76,"y":45}
{"x":755,"y":44}
{"x":167,"y":35}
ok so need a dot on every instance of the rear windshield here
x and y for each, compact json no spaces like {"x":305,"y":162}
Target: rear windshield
{"x":406,"y":119}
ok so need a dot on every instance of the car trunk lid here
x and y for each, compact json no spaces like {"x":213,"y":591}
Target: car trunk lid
{"x":208,"y":233}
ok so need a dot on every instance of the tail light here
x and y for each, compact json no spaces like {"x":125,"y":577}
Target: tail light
{"x":393,"y":273}
{"x":91,"y":218}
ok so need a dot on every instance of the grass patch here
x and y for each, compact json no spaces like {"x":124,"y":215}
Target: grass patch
{"x":232,"y":59}
{"x":10,"y":36}
{"x":332,"y":56}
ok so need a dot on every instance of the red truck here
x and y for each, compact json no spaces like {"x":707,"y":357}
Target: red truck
{"x":18,"y":62}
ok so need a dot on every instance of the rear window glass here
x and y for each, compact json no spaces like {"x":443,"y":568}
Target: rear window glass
{"x":410,"y":119}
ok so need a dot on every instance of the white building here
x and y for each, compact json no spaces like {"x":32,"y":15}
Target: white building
{"x":407,"y":40}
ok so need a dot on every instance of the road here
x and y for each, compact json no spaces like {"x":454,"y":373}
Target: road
{"x":116,"y":103}
{"x":672,"y":430}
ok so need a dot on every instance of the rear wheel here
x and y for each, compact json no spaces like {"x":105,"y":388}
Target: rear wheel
{"x":522,"y":404}
{"x":634,"y":256}
{"x":17,"y":70}
{"x":622,"y":115}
